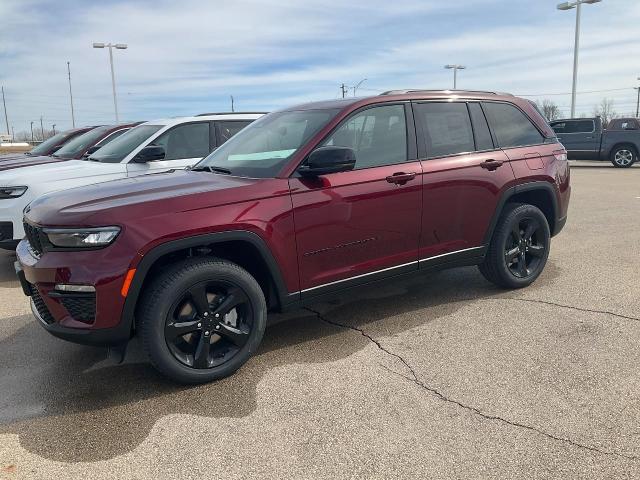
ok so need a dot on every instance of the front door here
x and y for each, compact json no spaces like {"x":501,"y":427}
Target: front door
{"x":579,"y":138}
{"x":354,"y":226}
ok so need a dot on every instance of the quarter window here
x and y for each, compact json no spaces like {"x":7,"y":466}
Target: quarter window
{"x":511,"y":127}
{"x":378,"y":136}
{"x":446,"y":128}
{"x":185,"y":141}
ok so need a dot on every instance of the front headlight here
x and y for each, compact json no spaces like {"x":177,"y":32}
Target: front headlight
{"x":81,"y":237}
{"x":12,"y":192}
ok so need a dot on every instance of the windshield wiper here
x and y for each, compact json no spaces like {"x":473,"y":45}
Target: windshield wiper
{"x":211,"y":169}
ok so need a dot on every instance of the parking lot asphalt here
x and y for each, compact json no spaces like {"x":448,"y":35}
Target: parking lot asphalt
{"x":435,"y":377}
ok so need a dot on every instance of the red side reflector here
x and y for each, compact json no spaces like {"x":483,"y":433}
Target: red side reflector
{"x":127,"y":282}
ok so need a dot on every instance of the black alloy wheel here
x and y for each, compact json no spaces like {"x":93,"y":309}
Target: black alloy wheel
{"x":525,"y":248}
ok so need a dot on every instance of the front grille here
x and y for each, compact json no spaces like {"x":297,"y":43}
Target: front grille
{"x":6,"y":231}
{"x":41,"y":307}
{"x":81,"y":308}
{"x":33,"y":235}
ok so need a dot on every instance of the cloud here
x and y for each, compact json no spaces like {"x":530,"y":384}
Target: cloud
{"x":188,"y":57}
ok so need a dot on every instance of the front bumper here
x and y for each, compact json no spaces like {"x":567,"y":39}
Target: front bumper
{"x":90,"y":319}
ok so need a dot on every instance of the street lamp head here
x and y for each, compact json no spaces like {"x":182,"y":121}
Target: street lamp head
{"x":98,"y":45}
{"x":458,"y":67}
{"x":591,"y":1}
{"x":121,"y":46}
{"x":566,"y":6}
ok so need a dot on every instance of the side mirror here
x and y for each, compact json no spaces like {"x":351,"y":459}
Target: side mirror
{"x":149,"y":153}
{"x":326,"y":160}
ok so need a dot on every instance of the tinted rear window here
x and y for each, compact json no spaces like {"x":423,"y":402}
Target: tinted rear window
{"x":480,"y":128}
{"x":573,"y":126}
{"x":446,"y":128}
{"x":510,"y":126}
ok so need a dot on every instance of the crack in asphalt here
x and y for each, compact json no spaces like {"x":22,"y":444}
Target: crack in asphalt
{"x":435,"y":392}
{"x":571,"y":307}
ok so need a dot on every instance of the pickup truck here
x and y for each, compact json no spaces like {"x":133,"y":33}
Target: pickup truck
{"x":586,"y":139}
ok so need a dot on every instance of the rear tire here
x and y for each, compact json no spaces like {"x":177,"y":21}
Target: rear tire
{"x":624,"y":156}
{"x":201,"y":319}
{"x":519,"y":248}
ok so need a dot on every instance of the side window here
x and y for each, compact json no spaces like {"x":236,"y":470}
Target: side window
{"x":113,"y":136}
{"x":378,"y":136}
{"x":446,"y":128}
{"x":226,"y":130}
{"x":185,"y":141}
{"x":480,"y":128}
{"x":510,"y":126}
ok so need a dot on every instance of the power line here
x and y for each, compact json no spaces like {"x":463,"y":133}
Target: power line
{"x":569,"y":93}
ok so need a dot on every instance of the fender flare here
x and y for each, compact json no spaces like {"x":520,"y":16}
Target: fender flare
{"x":149,"y":259}
{"x":510,"y":192}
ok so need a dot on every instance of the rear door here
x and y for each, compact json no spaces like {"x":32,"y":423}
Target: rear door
{"x":464,"y":176}
{"x":579,"y":138}
{"x":357,"y":225}
{"x":184,"y":145}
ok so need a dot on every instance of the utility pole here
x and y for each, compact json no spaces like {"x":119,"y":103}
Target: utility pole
{"x":32,"y":140}
{"x":638,"y":103}
{"x":41,"y":128}
{"x":344,"y":89}
{"x":73,"y":117}
{"x":232,"y":103}
{"x":54,"y":129}
{"x":13,"y":135}
{"x":5,"y":110}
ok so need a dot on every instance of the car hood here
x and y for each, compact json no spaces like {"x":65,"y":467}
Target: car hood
{"x":125,"y":200}
{"x":25,"y":161}
{"x":52,"y":172}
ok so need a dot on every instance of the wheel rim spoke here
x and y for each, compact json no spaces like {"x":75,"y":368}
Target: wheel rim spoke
{"x":234,"y":335}
{"x":234,"y":297}
{"x":522,"y":264}
{"x":510,"y":255}
{"x":201,"y":355}
{"x":179,"y":329}
{"x":198,"y":297}
{"x":536,"y":250}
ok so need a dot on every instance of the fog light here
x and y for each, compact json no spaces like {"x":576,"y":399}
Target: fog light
{"x":63,"y":287}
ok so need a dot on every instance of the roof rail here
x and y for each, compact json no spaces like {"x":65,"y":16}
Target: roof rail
{"x":425,"y":90}
{"x":231,"y":113}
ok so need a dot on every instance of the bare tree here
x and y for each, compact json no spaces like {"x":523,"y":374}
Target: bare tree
{"x":549,"y":109}
{"x":605,"y":111}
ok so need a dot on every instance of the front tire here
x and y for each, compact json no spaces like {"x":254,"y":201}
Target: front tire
{"x":624,"y":156}
{"x":202,"y":319}
{"x":519,"y":247}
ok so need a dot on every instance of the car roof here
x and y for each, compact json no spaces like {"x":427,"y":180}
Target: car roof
{"x":200,"y":118}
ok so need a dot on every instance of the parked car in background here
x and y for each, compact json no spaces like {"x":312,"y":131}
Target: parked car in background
{"x":147,"y":148}
{"x":51,"y":144}
{"x":585,"y":139}
{"x":78,"y":147}
{"x":303,"y":203}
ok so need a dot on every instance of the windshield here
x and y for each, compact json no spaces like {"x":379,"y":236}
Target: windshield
{"x":45,"y":147}
{"x":118,"y":149}
{"x":80,"y":143}
{"x":261,"y":149}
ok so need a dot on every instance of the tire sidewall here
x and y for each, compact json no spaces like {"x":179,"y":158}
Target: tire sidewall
{"x":161,"y":296}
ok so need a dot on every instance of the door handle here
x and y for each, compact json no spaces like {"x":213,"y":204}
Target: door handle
{"x":400,"y":178}
{"x":491,"y":164}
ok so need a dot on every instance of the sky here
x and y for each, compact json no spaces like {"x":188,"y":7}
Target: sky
{"x":188,"y":56}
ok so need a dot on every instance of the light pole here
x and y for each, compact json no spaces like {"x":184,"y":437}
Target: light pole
{"x":119,"y":46}
{"x":569,"y":6}
{"x":32,"y":140}
{"x":638,"y":103}
{"x":54,"y":129}
{"x":455,"y":68}
{"x":358,"y":86}
{"x":73,"y":116}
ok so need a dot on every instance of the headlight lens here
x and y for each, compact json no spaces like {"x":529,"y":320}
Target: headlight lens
{"x":12,"y":192}
{"x":82,"y":238}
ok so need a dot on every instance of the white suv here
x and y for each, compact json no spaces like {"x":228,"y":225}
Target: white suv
{"x":149,"y":147}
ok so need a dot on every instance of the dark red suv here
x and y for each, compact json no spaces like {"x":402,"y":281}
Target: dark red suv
{"x":302,"y":203}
